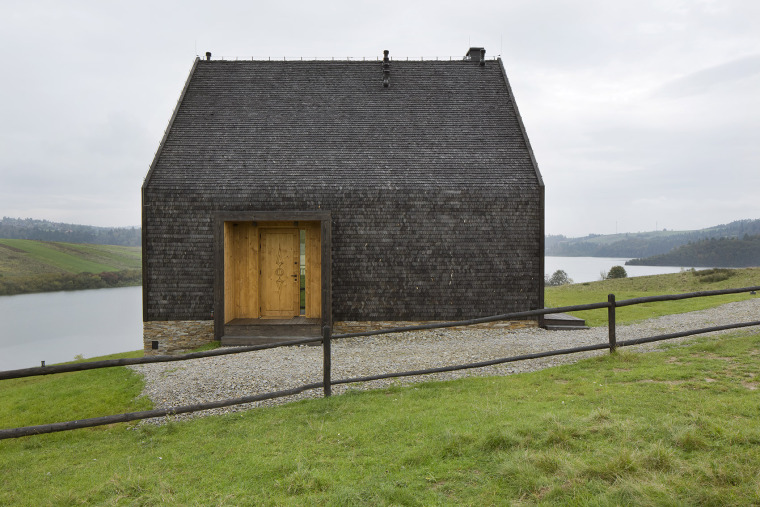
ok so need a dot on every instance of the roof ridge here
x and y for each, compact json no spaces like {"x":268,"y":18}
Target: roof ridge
{"x":350,"y":59}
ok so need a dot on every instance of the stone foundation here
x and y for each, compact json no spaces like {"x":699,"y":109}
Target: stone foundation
{"x":363,"y":327}
{"x":176,"y":336}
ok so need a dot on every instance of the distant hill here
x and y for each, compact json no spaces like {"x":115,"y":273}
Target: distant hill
{"x":43,"y":230}
{"x":41,"y":266}
{"x":644,"y":244}
{"x":722,"y":252}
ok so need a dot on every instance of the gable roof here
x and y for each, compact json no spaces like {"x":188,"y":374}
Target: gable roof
{"x":332,"y":124}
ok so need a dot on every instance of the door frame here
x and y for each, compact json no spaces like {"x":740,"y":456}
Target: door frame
{"x":325,"y":221}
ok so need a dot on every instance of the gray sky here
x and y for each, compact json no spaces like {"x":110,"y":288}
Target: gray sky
{"x":642,"y":114}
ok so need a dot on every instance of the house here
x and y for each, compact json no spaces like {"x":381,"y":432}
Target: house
{"x":287,"y":195}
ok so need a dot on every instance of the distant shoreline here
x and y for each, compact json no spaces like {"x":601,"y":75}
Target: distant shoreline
{"x":58,"y":282}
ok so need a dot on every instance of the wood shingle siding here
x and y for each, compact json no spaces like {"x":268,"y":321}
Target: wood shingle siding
{"x":436,"y":203}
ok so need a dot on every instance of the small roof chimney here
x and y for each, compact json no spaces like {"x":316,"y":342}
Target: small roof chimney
{"x":386,"y":69}
{"x":208,"y":55}
{"x":476,"y":55}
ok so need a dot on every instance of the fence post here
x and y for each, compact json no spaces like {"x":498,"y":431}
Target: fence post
{"x":327,"y":363}
{"x":611,"y":322}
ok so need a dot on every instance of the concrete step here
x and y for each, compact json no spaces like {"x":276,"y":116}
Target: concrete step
{"x":263,"y":331}
{"x":556,"y":321}
{"x":262,"y":340}
{"x":554,"y":327}
{"x":272,"y":330}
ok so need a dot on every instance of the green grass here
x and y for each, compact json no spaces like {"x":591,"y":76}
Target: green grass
{"x":677,"y":427}
{"x":641,"y":286}
{"x":68,"y":396}
{"x":39,"y":266}
{"x":673,"y":428}
{"x":606,"y":239}
{"x":20,"y":257}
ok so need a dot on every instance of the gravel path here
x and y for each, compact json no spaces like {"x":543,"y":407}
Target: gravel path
{"x":217,"y":378}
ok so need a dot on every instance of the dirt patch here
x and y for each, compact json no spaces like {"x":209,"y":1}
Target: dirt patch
{"x":12,"y":248}
{"x":667,"y":382}
{"x":720,"y":358}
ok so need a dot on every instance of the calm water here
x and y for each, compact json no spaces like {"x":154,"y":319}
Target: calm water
{"x":589,"y":269}
{"x":56,"y":326}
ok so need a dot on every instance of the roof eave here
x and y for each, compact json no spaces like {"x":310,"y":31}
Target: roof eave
{"x":170,"y":125}
{"x":522,"y":125}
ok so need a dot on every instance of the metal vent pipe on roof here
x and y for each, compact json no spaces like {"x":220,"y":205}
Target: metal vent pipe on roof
{"x":386,"y":69}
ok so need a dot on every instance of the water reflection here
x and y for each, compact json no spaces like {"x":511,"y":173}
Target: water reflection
{"x":56,"y":326}
{"x":589,"y":269}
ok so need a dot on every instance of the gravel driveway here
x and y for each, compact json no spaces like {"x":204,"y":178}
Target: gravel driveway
{"x":217,"y":378}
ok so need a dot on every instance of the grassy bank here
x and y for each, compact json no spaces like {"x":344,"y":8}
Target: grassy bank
{"x":641,"y":286}
{"x":40,"y":266}
{"x":676,"y":427}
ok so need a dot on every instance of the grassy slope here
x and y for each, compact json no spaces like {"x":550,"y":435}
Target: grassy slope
{"x":627,"y":288}
{"x":607,"y":239}
{"x":20,"y":257}
{"x":664,"y":428}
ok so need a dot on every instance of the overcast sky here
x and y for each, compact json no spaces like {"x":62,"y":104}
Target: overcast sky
{"x":642,"y":114}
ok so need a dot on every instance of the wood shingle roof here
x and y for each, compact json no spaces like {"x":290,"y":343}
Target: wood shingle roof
{"x":332,"y":125}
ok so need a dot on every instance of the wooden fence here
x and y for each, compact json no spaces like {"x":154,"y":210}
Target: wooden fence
{"x":327,"y":337}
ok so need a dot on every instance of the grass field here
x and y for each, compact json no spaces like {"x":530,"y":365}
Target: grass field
{"x":38,"y":266}
{"x":677,"y":427}
{"x":21,"y":257}
{"x":640,"y":286}
{"x":671,"y":428}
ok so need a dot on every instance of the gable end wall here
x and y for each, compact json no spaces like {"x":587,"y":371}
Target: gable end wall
{"x":396,"y":255}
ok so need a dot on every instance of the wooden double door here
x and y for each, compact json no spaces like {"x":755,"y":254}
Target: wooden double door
{"x":267,"y":267}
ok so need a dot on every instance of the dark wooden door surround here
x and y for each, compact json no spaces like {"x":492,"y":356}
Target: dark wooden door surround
{"x":238,"y":297}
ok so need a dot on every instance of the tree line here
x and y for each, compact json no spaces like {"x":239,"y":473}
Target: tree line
{"x":723,"y":252}
{"x":44,"y":230}
{"x":640,"y":245}
{"x":53,"y":282}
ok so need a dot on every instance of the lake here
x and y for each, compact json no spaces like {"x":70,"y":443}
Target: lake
{"x":56,"y":326}
{"x":589,"y":269}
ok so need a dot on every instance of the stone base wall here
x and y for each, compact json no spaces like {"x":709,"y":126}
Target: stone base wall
{"x":176,"y":336}
{"x":364,"y":326}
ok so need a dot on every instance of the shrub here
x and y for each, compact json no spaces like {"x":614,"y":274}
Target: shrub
{"x":617,"y":272}
{"x":713,"y":275}
{"x":558,"y":278}
{"x":49,"y":282}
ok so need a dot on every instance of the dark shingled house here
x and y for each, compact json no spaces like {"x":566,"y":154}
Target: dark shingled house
{"x":286,"y":195}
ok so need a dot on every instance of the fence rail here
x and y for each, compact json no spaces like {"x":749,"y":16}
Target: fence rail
{"x":611,"y":304}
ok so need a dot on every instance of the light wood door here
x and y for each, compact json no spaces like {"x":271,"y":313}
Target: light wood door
{"x":279,"y":262}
